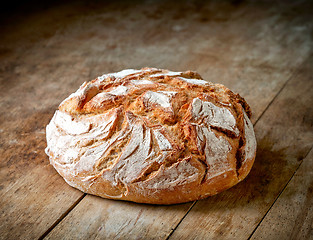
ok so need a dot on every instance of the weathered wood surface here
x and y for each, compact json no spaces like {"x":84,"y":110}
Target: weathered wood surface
{"x":96,"y":218}
{"x":235,"y":213}
{"x":285,"y":136}
{"x":45,"y":55}
{"x":291,"y":217}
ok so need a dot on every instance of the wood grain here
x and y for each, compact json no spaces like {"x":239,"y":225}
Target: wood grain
{"x":45,"y":55}
{"x":31,"y":204}
{"x":65,"y":228}
{"x":32,"y":195}
{"x":285,"y":135}
{"x":291,"y":217}
{"x":96,"y":218}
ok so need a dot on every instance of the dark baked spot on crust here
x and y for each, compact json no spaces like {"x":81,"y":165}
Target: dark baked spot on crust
{"x":236,"y":98}
{"x":154,"y":167}
{"x":206,"y":168}
{"x":173,"y":117}
{"x":240,"y":154}
{"x":228,"y":133}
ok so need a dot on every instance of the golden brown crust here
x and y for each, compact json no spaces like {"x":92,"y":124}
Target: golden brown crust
{"x":152,"y":136}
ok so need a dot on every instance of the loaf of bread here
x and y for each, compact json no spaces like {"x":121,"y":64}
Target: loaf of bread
{"x":152,"y":136}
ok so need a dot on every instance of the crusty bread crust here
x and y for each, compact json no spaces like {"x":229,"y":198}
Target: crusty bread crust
{"x":152,"y":136}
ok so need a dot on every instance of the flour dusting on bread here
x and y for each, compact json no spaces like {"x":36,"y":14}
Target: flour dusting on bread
{"x":152,"y":136}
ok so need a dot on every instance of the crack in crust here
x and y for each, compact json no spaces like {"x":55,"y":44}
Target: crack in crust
{"x":129,"y":128}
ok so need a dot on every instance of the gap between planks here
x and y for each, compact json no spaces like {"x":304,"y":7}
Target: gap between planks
{"x":293,"y":75}
{"x":278,"y":196}
{"x":296,"y":73}
{"x":62,"y":217}
{"x":173,"y":229}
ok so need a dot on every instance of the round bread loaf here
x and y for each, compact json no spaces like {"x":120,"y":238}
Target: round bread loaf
{"x":152,"y":136}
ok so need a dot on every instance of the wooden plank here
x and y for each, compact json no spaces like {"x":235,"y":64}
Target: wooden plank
{"x":28,"y":206}
{"x":285,"y":135}
{"x":291,"y":217}
{"x":46,"y":55}
{"x":32,"y":195}
{"x":262,"y":87}
{"x":96,"y":218}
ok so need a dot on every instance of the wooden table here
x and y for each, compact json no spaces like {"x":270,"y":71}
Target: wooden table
{"x":261,"y":50}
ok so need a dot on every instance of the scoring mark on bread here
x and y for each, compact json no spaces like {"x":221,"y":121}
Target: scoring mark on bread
{"x":128,"y":126}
